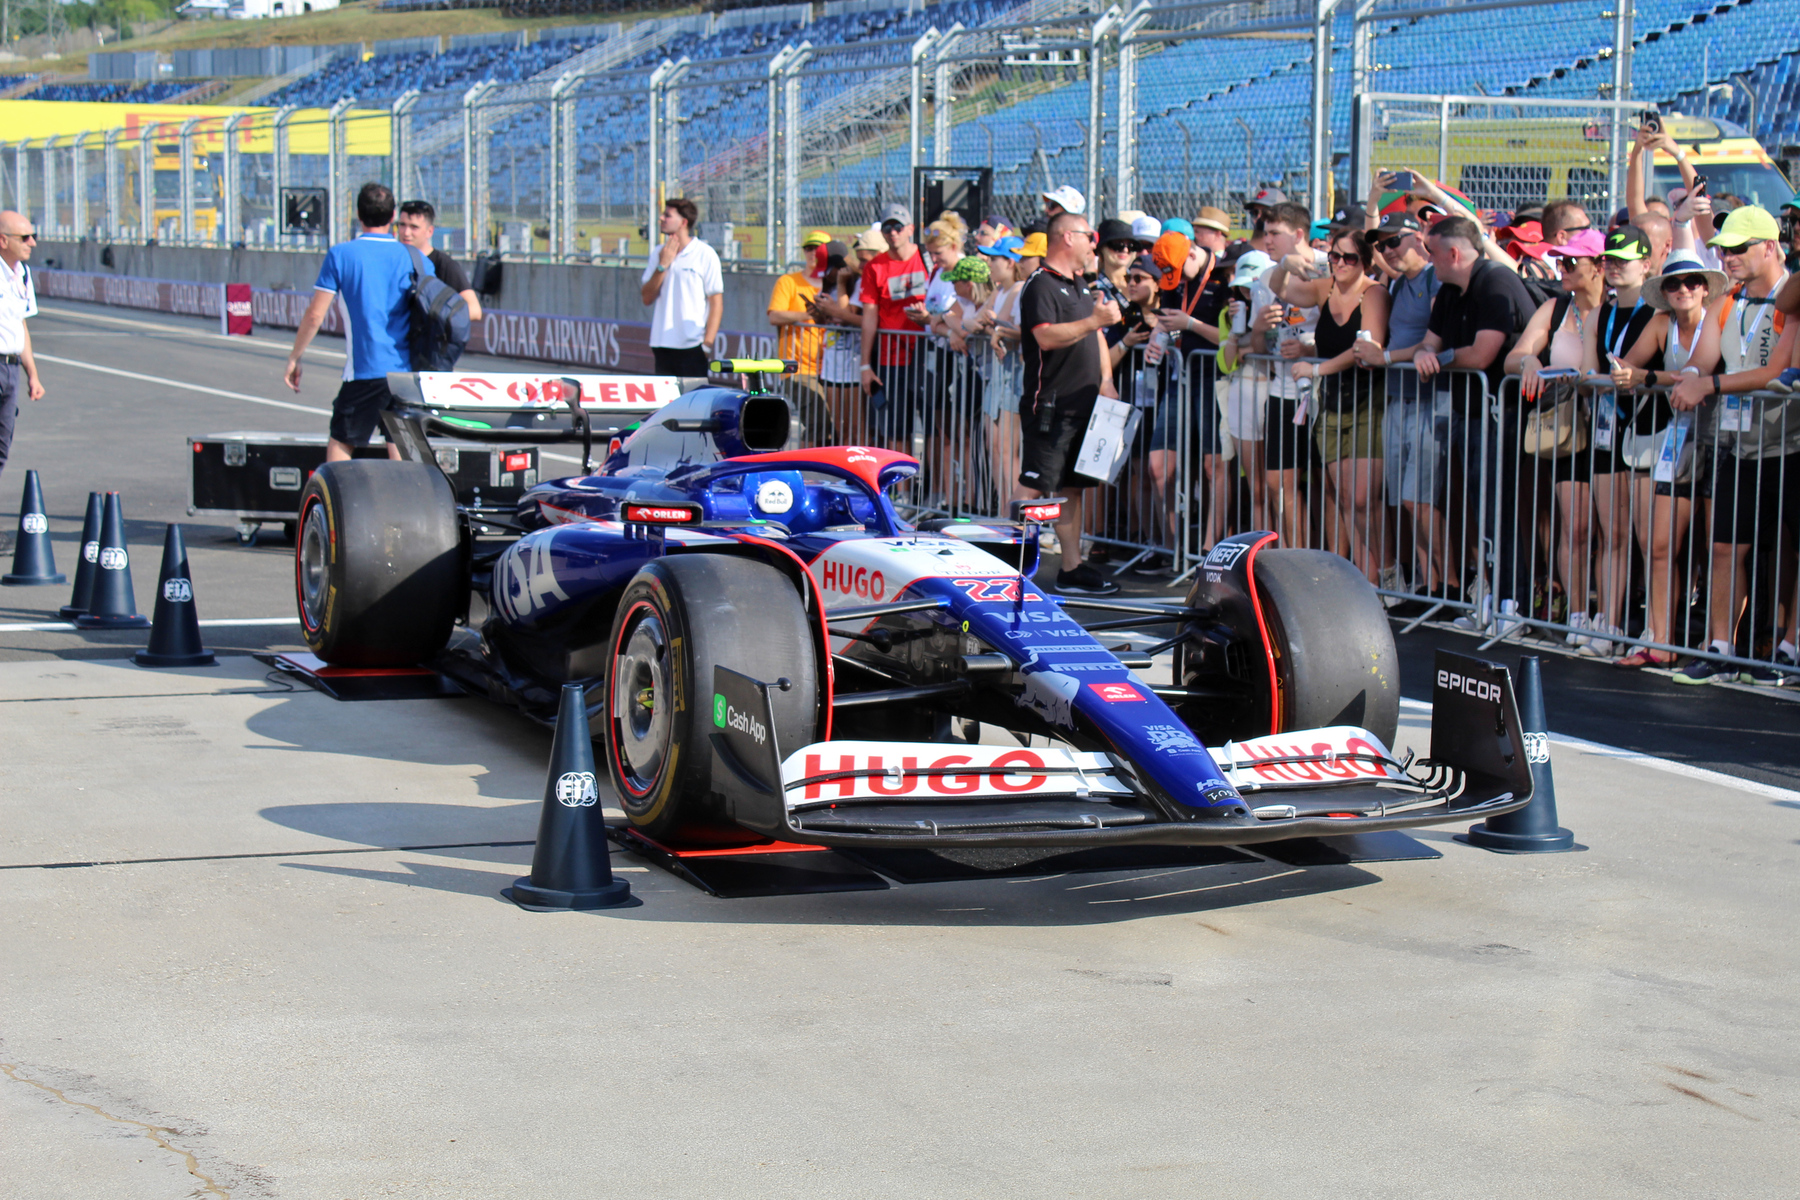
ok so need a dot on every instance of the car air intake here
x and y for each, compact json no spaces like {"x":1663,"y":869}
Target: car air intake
{"x":763,"y":422}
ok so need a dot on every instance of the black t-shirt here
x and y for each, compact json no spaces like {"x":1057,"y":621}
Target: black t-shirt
{"x":448,"y":271}
{"x":1495,"y":299}
{"x":1070,"y":375}
{"x":1203,"y":298}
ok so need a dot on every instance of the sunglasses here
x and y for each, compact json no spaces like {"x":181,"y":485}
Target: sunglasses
{"x":1736,"y":251}
{"x":1124,"y":247}
{"x":20,"y":237}
{"x":1575,"y":228}
{"x":1334,"y":258}
{"x":1388,"y":243}
{"x":1564,"y":262}
{"x":1684,"y":281}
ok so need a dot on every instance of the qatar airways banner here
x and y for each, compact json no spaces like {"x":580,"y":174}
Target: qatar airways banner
{"x":622,"y":346}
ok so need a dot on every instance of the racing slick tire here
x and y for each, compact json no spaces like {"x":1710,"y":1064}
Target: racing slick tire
{"x":1334,"y":649}
{"x":679,"y":617}
{"x":378,"y":565}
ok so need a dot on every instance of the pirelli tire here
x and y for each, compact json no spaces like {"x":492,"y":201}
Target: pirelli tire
{"x":378,"y":565}
{"x":679,"y":617}
{"x":1334,"y":649}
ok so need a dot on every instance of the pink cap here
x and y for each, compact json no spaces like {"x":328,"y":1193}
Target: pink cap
{"x":1588,"y":243}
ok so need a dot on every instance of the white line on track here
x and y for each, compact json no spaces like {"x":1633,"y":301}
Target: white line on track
{"x":53,"y":626}
{"x":1669,"y":766}
{"x":184,"y":331}
{"x":176,"y":383}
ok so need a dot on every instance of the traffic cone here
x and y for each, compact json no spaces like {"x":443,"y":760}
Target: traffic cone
{"x":112,"y":605}
{"x":571,"y":867}
{"x":33,"y":560}
{"x":1532,"y":829}
{"x":175,"y":633}
{"x":87,"y":562}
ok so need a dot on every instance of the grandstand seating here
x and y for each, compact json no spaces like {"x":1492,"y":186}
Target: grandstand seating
{"x":122,"y":91}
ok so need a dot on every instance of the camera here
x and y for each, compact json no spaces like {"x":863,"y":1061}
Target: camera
{"x":1651,"y":120}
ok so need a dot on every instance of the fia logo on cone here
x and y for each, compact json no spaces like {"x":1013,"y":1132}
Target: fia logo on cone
{"x":177,"y":590}
{"x":577,"y":789}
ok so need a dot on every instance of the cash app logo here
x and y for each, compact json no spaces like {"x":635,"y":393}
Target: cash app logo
{"x":718,"y":710}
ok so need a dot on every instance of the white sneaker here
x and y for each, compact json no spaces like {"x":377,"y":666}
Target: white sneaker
{"x":1480,"y":618}
{"x":1580,"y":630}
{"x":1511,"y":620}
{"x":1391,"y":581}
{"x":1601,"y":644}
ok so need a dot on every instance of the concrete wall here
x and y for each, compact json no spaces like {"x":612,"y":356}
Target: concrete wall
{"x":575,"y":290}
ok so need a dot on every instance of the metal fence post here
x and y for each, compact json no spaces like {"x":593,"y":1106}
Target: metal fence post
{"x":48,"y":171}
{"x":79,"y":174}
{"x":400,"y":137}
{"x":660,"y":160}
{"x":278,"y":167}
{"x":187,"y":180}
{"x":562,"y":164}
{"x":1362,"y":66}
{"x":772,"y":139}
{"x":1443,"y":163}
{"x":147,"y":183}
{"x":474,"y":165}
{"x":1621,"y":91}
{"x":110,"y":227}
{"x":790,"y":153}
{"x":1127,"y":187}
{"x":943,"y":96}
{"x":915,"y":127}
{"x":338,"y":164}
{"x":231,"y":183}
{"x":1319,"y":166}
{"x":22,"y":175}
{"x":1102,"y":29}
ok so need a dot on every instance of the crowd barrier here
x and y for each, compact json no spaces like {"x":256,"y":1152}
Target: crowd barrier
{"x":1598,"y":524}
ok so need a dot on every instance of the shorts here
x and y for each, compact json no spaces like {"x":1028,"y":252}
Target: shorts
{"x":356,"y":413}
{"x":685,"y":362}
{"x":1204,"y":405}
{"x":1286,"y":446}
{"x":1754,"y":499}
{"x":1354,"y":433}
{"x":1046,"y":455}
{"x":1246,"y":399}
{"x":1416,"y":446}
{"x":1001,"y":391}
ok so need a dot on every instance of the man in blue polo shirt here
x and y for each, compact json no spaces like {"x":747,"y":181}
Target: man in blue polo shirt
{"x":372,"y":275}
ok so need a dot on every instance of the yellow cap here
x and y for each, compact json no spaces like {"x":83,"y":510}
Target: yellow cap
{"x":817,"y":237}
{"x":1036,"y":246}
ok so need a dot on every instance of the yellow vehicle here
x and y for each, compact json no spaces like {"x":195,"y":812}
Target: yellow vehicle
{"x":166,"y":164}
{"x":1506,"y":164}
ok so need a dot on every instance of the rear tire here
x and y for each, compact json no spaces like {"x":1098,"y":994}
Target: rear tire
{"x":378,"y":570}
{"x":679,"y":617}
{"x":1334,"y":649}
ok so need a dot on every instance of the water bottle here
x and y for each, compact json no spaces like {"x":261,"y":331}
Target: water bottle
{"x":1144,"y":390}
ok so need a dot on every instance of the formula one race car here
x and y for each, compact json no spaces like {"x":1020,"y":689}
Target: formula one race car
{"x":770,"y":650}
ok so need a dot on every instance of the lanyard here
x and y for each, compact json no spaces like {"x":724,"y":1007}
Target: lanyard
{"x":1615,"y":332}
{"x":1762,"y":306}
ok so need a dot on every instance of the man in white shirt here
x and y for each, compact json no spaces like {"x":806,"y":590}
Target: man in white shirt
{"x":18,"y":300}
{"x":685,"y":291}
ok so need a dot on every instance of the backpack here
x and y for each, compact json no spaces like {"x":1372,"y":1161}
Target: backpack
{"x":440,"y":319}
{"x":1542,"y":292}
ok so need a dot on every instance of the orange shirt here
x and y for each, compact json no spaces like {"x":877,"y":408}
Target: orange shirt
{"x":803,"y":343}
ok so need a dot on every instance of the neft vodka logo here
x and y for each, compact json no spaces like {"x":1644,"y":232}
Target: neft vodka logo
{"x":177,"y":590}
{"x":577,"y":789}
{"x":1468,"y":685}
{"x":1226,"y":554}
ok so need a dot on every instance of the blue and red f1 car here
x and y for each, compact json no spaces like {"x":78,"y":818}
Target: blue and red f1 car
{"x":770,"y":649}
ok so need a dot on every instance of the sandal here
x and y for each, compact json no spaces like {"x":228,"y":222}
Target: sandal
{"x":1639,"y":659}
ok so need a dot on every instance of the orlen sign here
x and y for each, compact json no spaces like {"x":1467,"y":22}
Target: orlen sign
{"x":853,"y":580}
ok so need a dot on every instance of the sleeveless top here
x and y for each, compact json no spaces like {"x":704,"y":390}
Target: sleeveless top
{"x":1748,"y":333}
{"x":1356,"y":384}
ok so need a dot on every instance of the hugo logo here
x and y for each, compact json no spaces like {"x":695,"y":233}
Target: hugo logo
{"x":577,"y":789}
{"x":113,"y":559}
{"x":34,"y":523}
{"x":856,"y":581}
{"x":177,"y":590}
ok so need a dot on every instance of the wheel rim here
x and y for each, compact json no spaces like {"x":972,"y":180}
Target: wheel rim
{"x":640,"y":703}
{"x":313,"y":573}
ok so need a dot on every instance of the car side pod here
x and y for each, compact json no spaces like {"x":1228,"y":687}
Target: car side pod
{"x":1532,"y":829}
{"x":86,"y":562}
{"x":34,"y":563}
{"x":175,"y":630}
{"x":571,"y":867}
{"x":113,"y":606}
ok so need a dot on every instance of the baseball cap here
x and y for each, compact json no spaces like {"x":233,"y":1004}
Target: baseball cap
{"x":1171,"y":254}
{"x":1179,"y":225}
{"x":1318,"y":229}
{"x":1746,"y":224}
{"x":969,"y":269}
{"x":817,"y":237}
{"x":896,"y":214}
{"x":1627,"y":243}
{"x":1071,"y":200}
{"x":836,"y":253}
{"x":1350,"y":216}
{"x":1143,"y":264}
{"x":1145,"y":228}
{"x":1005,"y":247}
{"x":997,"y":224}
{"x":1619,"y":219}
{"x":1793,"y":204}
{"x":1130,"y":215}
{"x":1587,"y":243}
{"x":1036,"y":246}
{"x":1399,"y":223}
{"x":871,"y":239}
{"x":1250,"y":268}
{"x":1267,"y":197}
{"x":1213,"y":218}
{"x":1113,"y":230}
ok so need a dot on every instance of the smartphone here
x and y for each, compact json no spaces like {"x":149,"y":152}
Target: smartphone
{"x":1699,"y":186}
{"x":1558,"y":373}
{"x":1403,"y":181}
{"x":1651,"y":120}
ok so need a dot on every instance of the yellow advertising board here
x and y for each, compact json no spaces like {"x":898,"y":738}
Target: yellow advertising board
{"x":367,"y":131}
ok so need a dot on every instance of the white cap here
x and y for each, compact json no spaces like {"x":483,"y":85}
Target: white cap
{"x":1146,"y":229}
{"x":1070,"y":199}
{"x":1251,"y":266}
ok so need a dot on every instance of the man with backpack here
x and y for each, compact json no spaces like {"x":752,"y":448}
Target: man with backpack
{"x":414,"y":227}
{"x":375,"y":279}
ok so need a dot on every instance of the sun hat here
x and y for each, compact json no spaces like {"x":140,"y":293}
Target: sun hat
{"x":969,"y":269}
{"x":1214,"y":218}
{"x":1746,"y":224}
{"x":871,"y":239}
{"x":1004,"y":247}
{"x":1680,"y":263}
{"x":1251,"y":267}
{"x":1171,"y":254}
{"x":1036,"y":245}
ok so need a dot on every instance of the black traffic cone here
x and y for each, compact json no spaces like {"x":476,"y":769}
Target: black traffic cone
{"x":33,"y":561}
{"x":571,"y":867}
{"x":112,"y":605}
{"x":1532,"y":829}
{"x":175,"y":633}
{"x":87,"y":562}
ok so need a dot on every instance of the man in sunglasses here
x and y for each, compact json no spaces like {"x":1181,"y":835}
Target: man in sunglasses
{"x":1745,"y":343}
{"x":18,"y":300}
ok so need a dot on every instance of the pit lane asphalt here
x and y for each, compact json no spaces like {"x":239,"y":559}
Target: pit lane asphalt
{"x":376,"y":1022}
